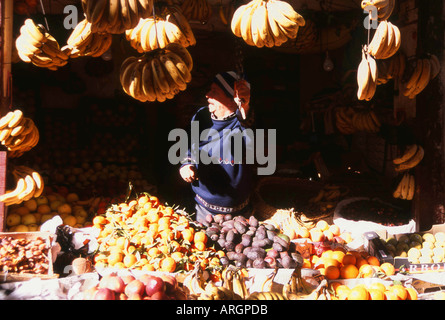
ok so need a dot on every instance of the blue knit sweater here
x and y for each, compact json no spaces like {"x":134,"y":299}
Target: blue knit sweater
{"x":225,"y":182}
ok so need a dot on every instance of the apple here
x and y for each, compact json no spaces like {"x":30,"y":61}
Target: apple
{"x":135,"y":287}
{"x":155,"y":284}
{"x":112,"y":282}
{"x":171,"y":284}
{"x":104,"y":294}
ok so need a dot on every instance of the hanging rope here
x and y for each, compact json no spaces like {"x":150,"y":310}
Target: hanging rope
{"x":44,"y":15}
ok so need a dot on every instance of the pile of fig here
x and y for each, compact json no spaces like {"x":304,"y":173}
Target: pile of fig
{"x":250,"y":243}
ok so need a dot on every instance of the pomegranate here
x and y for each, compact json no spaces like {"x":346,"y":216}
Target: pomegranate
{"x":155,"y":284}
{"x":135,"y":287}
{"x":104,"y":294}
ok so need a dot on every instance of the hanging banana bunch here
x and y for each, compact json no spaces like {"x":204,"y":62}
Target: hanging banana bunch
{"x":115,"y":16}
{"x":384,"y":7}
{"x":392,"y":68}
{"x":410,"y":158}
{"x":170,"y":26}
{"x":386,"y":41}
{"x":424,"y":71}
{"x":158,"y":75}
{"x":35,"y":45}
{"x":83,"y":42}
{"x":406,"y":187}
{"x":18,"y":133}
{"x":29,"y":184}
{"x":367,"y":75}
{"x":266,"y":23}
{"x":197,"y":10}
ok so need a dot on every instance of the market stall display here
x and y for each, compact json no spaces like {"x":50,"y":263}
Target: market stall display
{"x":311,"y":238}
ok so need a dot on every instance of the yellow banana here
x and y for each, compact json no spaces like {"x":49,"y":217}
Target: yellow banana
{"x":412,"y":162}
{"x":379,"y":40}
{"x":410,"y":151}
{"x":35,"y":31}
{"x":11,"y":197}
{"x":246,"y":24}
{"x":182,"y":53}
{"x":4,"y":121}
{"x":147,"y":82}
{"x":363,"y":77}
{"x":235,"y":23}
{"x":289,"y":12}
{"x":411,"y":188}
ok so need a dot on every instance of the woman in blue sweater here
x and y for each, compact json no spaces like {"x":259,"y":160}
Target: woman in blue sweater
{"x":223,"y":183}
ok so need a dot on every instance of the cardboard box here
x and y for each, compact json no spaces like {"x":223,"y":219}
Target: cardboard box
{"x":13,"y":276}
{"x":376,"y":247}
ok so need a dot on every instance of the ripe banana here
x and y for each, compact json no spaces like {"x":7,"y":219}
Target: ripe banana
{"x":410,"y":151}
{"x":364,"y":78}
{"x":266,"y":296}
{"x":182,"y":53}
{"x":379,"y":40}
{"x":411,"y":188}
{"x":411,"y":162}
{"x":435,"y":66}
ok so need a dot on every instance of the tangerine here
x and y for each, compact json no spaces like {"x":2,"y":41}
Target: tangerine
{"x":366,"y":271}
{"x":389,"y":295}
{"x":342,"y":291}
{"x":349,"y":271}
{"x":400,"y":291}
{"x":377,"y":286}
{"x":115,"y":257}
{"x":376,"y":294}
{"x":388,"y":268}
{"x":338,"y":255}
{"x":322,"y":225}
{"x":187,"y":234}
{"x":373,"y":260}
{"x":200,"y":236}
{"x":332,"y":272}
{"x":360,"y":262}
{"x":358,"y":293}
{"x":168,"y":264}
{"x":200,"y":246}
{"x":129,"y":260}
{"x":412,"y":293}
{"x":349,"y":259}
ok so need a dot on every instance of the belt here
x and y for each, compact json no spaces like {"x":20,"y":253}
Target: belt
{"x":220,"y":208}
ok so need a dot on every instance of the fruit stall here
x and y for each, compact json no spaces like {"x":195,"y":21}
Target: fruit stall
{"x":92,"y":209}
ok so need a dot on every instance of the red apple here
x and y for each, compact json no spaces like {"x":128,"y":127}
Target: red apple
{"x":104,"y":294}
{"x":159,"y":295}
{"x":135,"y":287}
{"x":171,"y":284}
{"x":155,"y":284}
{"x":112,"y":282}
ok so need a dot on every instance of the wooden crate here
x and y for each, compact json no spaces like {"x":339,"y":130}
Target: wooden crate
{"x":12,"y":276}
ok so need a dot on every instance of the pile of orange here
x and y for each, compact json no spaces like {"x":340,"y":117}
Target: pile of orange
{"x":338,"y":263}
{"x":373,"y":291}
{"x":321,"y":231}
{"x":146,"y":235}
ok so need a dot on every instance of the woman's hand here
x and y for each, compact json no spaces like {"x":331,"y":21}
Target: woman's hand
{"x":242,"y":92}
{"x":188,"y":173}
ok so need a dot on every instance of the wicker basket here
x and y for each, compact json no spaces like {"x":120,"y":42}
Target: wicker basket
{"x":285,"y":191}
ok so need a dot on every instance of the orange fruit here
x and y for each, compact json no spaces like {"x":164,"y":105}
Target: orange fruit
{"x":334,"y":229}
{"x":332,"y":272}
{"x":360,"y":262}
{"x":374,"y":261}
{"x":322,"y":225}
{"x":334,"y":285}
{"x":358,"y":293}
{"x":342,"y":292}
{"x":412,"y":293}
{"x":338,"y":255}
{"x":366,"y":271}
{"x":200,"y":246}
{"x":389,"y":295}
{"x":316,"y":235}
{"x":168,"y":264}
{"x":303,"y":232}
{"x":377,"y":286}
{"x":400,"y":291}
{"x":177,"y":256}
{"x":129,"y":260}
{"x":349,"y":259}
{"x":327,"y":254}
{"x":388,"y":268}
{"x":200,"y":236}
{"x":187,"y":234}
{"x":349,"y":271}
{"x":375,"y":294}
{"x":115,"y":257}
{"x":153,"y":252}
{"x":143,"y":200}
{"x":326,"y":262}
{"x":99,"y":220}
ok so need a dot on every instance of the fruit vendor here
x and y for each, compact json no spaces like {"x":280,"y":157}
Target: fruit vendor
{"x":224,"y":183}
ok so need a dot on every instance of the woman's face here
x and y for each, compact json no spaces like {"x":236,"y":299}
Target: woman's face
{"x":220,"y":105}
